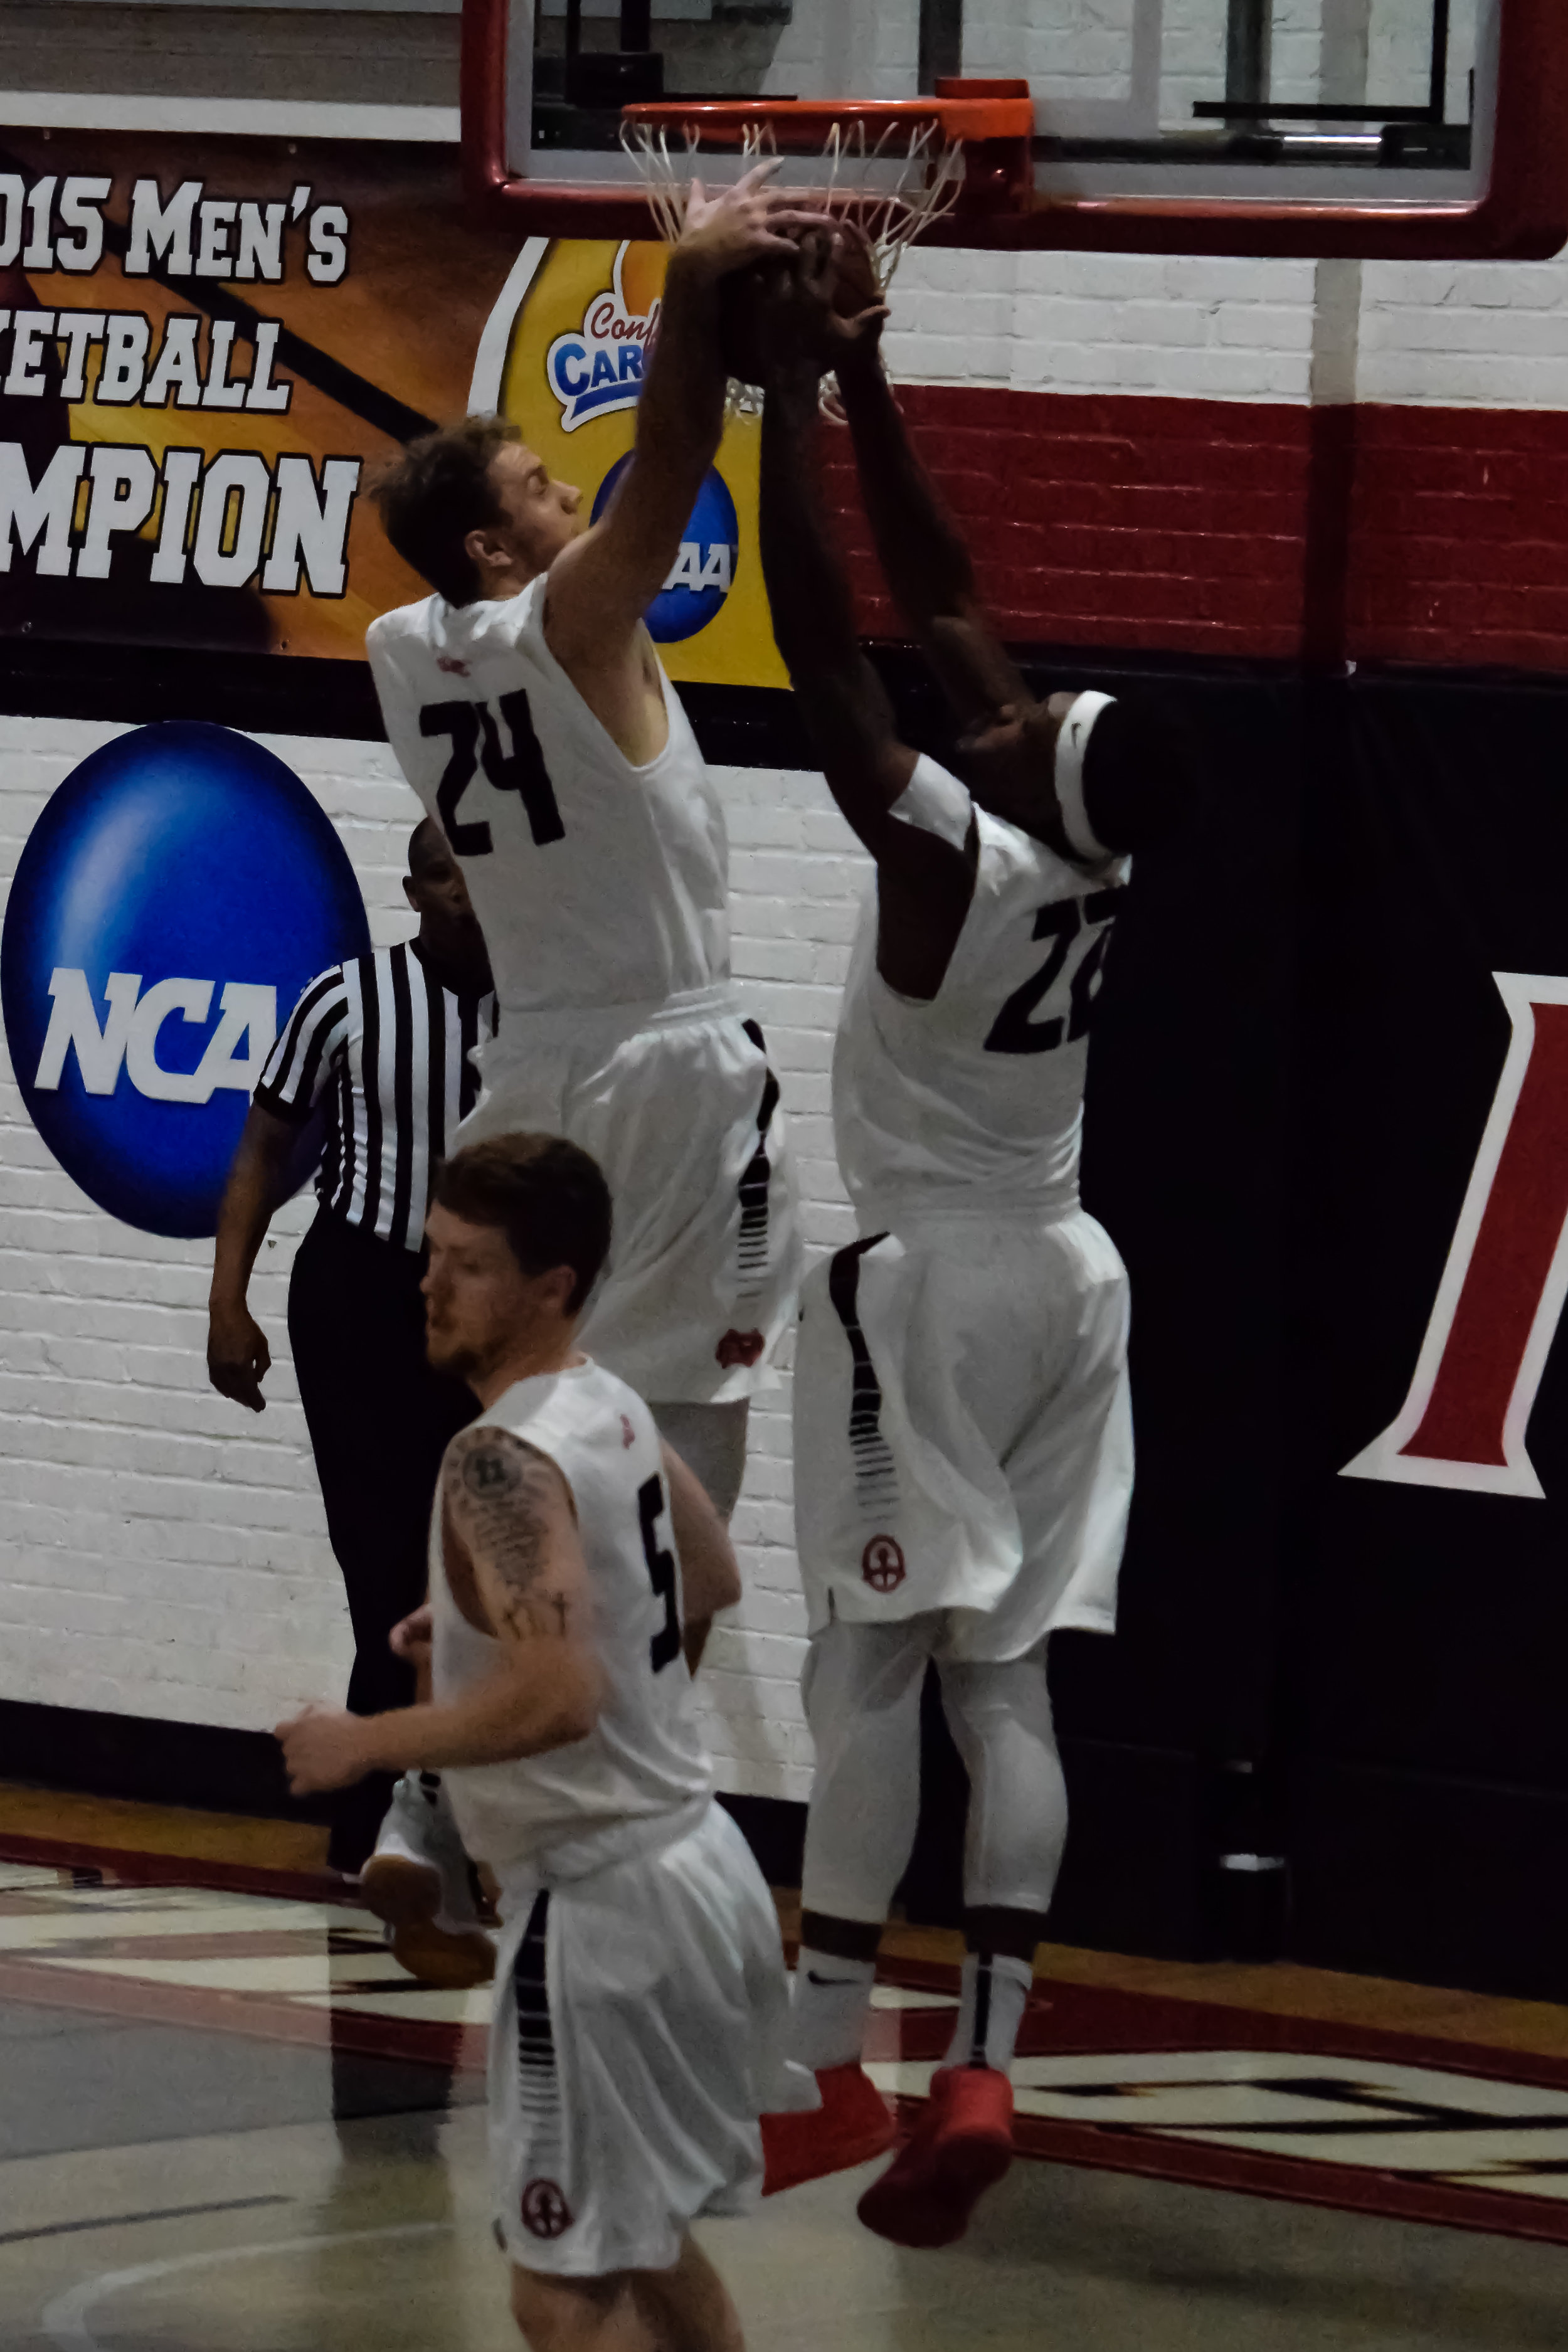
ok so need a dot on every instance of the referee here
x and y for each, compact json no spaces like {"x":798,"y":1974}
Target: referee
{"x":382,"y":1044}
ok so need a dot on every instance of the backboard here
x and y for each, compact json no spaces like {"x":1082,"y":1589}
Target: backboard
{"x":1420,"y":128}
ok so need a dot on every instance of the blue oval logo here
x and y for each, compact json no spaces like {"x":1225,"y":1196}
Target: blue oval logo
{"x":703,"y":572}
{"x":176,"y":894}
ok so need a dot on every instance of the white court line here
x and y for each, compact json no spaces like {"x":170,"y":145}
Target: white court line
{"x":300,"y":1976}
{"x":902,"y":2078}
{"x":425,"y":2004}
{"x":65,"y":2320}
{"x":43,"y":1934}
{"x":884,"y":1996}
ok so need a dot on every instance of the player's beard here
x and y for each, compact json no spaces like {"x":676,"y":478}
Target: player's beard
{"x":460,"y":1361}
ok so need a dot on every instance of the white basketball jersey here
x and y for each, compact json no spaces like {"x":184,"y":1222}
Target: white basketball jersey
{"x":579,"y":1807}
{"x":974,"y":1103}
{"x":595,"y":883}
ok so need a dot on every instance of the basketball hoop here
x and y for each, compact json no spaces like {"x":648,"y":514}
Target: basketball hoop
{"x":891,"y":168}
{"x":894,"y":167}
{"x":1459,"y":152}
{"x":892,"y":182}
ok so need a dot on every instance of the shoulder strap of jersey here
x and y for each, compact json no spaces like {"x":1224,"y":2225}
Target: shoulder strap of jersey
{"x":934,"y":802}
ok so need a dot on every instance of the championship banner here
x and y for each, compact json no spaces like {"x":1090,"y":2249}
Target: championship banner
{"x":208,"y":345}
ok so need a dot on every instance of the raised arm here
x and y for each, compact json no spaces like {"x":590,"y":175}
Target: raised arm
{"x":601,"y":583}
{"x":516,"y":1570}
{"x":710,"y":1574}
{"x":238,"y":1358}
{"x":924,"y":882}
{"x":918,"y":546}
{"x":846,"y":712}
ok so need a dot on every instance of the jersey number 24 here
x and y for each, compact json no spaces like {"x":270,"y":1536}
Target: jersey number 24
{"x":476,"y":742}
{"x":1064,"y":923}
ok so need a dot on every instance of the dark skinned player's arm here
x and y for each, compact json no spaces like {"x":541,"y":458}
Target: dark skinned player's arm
{"x":710,"y":1573}
{"x":923,"y":884}
{"x":846,"y":712}
{"x":920,"y":548}
{"x":238,"y":1358}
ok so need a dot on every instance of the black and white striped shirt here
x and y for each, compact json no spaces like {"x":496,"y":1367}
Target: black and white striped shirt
{"x":393,"y":1047}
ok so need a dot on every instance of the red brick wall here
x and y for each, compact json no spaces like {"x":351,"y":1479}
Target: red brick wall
{"x":1459,"y":550}
{"x":1195,"y":526}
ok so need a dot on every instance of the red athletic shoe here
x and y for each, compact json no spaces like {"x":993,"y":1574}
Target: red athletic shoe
{"x":852,"y":2125}
{"x":961,"y":2146}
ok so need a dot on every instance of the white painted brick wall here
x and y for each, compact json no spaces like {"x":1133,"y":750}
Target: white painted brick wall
{"x":162,"y":1553}
{"x":1177,"y":325}
{"x":1465,"y":334}
{"x":1444,"y":334}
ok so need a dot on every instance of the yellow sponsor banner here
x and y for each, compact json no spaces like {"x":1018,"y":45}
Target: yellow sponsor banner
{"x":572,"y":373}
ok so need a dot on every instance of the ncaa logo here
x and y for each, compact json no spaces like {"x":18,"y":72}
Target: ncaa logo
{"x":703,"y":572}
{"x":176,"y":894}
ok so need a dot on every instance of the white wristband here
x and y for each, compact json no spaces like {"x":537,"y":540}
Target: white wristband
{"x":1072,"y":743}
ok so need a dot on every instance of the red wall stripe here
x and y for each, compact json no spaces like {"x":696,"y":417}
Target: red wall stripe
{"x":1249,"y":528}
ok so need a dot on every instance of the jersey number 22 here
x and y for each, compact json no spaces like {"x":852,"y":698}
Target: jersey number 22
{"x":1015,"y":1029}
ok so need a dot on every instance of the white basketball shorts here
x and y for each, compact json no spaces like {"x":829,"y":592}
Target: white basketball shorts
{"x":683,"y":1117}
{"x":638,"y":2032}
{"x":962,"y":1432}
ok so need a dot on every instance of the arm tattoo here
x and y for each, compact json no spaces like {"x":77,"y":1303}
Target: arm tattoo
{"x":499,"y":1493}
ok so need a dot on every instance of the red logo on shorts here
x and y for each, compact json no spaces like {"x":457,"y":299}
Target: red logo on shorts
{"x":629,"y":1434}
{"x":545,"y":2212}
{"x":882,"y":1564}
{"x":453,"y":667}
{"x":739,"y":1348}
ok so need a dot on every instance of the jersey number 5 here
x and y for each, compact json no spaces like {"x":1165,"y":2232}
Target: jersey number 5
{"x":1015,"y":1031}
{"x":665,"y":1646}
{"x":476,"y":740}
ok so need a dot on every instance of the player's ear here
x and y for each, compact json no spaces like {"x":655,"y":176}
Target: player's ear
{"x":560,"y":1284}
{"x":483,"y":552}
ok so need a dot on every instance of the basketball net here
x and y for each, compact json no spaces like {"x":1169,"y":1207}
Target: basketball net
{"x":892,"y":188}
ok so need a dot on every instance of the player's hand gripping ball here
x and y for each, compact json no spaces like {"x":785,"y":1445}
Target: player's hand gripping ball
{"x":822,"y":307}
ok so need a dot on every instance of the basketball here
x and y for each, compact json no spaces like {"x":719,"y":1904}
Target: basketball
{"x":858,"y":288}
{"x":742,"y":294}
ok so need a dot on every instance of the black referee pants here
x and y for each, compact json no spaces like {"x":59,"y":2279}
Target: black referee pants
{"x":380,"y":1421}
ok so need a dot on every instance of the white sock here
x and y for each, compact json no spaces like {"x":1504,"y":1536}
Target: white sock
{"x":990,"y":2010}
{"x":827,"y":2017}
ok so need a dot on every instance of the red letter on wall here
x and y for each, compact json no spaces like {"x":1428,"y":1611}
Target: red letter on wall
{"x":1497,"y":1305}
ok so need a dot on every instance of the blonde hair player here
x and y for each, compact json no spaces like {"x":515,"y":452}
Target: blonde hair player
{"x":529,"y":712}
{"x":963,"y":1443}
{"x":575,"y":1564}
{"x":529,"y":709}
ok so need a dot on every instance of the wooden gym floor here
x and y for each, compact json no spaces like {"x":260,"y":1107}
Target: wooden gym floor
{"x":229,"y":2120}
